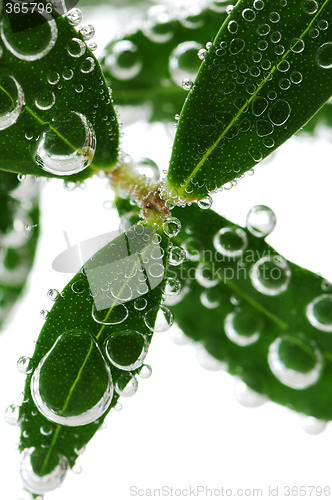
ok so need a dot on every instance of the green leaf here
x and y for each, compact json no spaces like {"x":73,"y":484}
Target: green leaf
{"x":19,"y":232}
{"x":147,"y":66}
{"x":323,"y":118}
{"x":91,"y":347}
{"x":267,"y":72}
{"x":266,"y":318}
{"x":56,"y":114}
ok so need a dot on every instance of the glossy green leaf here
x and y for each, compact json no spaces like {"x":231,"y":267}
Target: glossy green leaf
{"x":323,"y":118}
{"x":19,"y":232}
{"x":266,"y":318}
{"x":147,"y":66}
{"x":93,"y":344}
{"x":267,"y":72}
{"x":56,"y":114}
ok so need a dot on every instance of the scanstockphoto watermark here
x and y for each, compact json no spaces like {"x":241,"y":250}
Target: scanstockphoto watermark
{"x":196,"y":491}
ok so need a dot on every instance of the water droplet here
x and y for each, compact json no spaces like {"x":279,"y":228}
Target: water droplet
{"x":275,"y":37}
{"x":249,"y":15}
{"x":255,"y":154}
{"x":207,"y":361}
{"x":323,"y":24}
{"x":145,"y":372}
{"x":314,"y":33}
{"x":127,"y":349}
{"x":53,"y":77}
{"x":284,"y":84}
{"x":270,"y":275}
{"x":205,"y":203}
{"x":112,"y":316}
{"x":126,"y":385}
{"x":326,"y":286}
{"x":236,"y":45}
{"x":295,"y":362}
{"x":258,"y":4}
{"x":172,"y":226}
{"x":274,"y":17}
{"x":76,"y":47}
{"x":12,"y":101}
{"x":264,"y":128}
{"x":123,"y":61}
{"x":90,"y":396}
{"x":259,"y":105}
{"x":319,"y":313}
{"x":201,"y":54}
{"x":159,"y":319}
{"x":88,"y":65}
{"x":297,"y":45}
{"x":230,"y":242}
{"x":177,"y":255}
{"x":12,"y":415}
{"x":148,"y":168}
{"x":183,"y":62}
{"x":232,"y":27}
{"x":324,"y":55}
{"x":309,"y":6}
{"x":41,"y":484}
{"x":242,"y":327}
{"x":247,"y":396}
{"x":75,"y":16}
{"x":296,"y":77}
{"x":312,"y":425}
{"x":24,"y":365}
{"x":46,"y":430}
{"x":36,"y":45}
{"x":140,"y":304}
{"x":44,"y":314}
{"x":53,"y":294}
{"x":172,"y":287}
{"x":187,"y":84}
{"x":261,"y":221}
{"x":78,"y":287}
{"x":205,"y":276}
{"x":57,"y":157}
{"x":263,"y":29}
{"x":158,"y":27}
{"x":77,"y":469}
{"x":210,"y":298}
{"x":87,"y":31}
{"x":44,"y":100}
{"x":279,"y":112}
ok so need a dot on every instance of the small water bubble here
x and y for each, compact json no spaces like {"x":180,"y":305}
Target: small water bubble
{"x":258,"y":4}
{"x":314,"y":33}
{"x":24,"y":365}
{"x":262,"y":45}
{"x":177,"y":255}
{"x":283,"y":66}
{"x":295,"y":362}
{"x":67,"y":74}
{"x":75,"y":16}
{"x":87,"y":31}
{"x":255,"y":154}
{"x":12,"y":415}
{"x":274,"y":17}
{"x":123,"y":61}
{"x":88,"y":65}
{"x":127,"y":349}
{"x":205,"y":276}
{"x":270,"y":275}
{"x":183,"y":63}
{"x":236,"y":45}
{"x":324,"y":56}
{"x":248,"y":15}
{"x":309,"y":6}
{"x":261,"y":221}
{"x":296,"y":77}
{"x":159,"y":319}
{"x":210,"y":298}
{"x":312,"y":425}
{"x":284,"y":83}
{"x":78,"y":287}
{"x":76,"y":47}
{"x":319,"y":313}
{"x":187,"y":84}
{"x":79,"y":88}
{"x":158,"y":26}
{"x":263,"y":29}
{"x":326,"y":286}
{"x":247,"y":396}
{"x":242,"y":327}
{"x":323,"y":24}
{"x":44,"y":313}
{"x":41,"y":484}
{"x":126,"y":385}
{"x":230,"y":242}
{"x":113,"y":316}
{"x":46,"y":430}
{"x":172,"y":287}
{"x":205,"y":203}
{"x":92,"y":46}
{"x":172,"y":226}
{"x":145,"y":371}
{"x":275,"y":36}
{"x":76,"y":469}
{"x":44,"y":100}
{"x":259,"y":105}
{"x":232,"y":27}
{"x":140,"y":304}
{"x":297,"y":45}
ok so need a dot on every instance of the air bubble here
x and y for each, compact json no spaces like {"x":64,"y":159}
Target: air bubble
{"x":207,"y":361}
{"x":172,"y":226}
{"x":53,"y":294}
{"x":127,"y":349}
{"x":255,"y":154}
{"x":297,"y":45}
{"x":249,"y":15}
{"x":236,"y":45}
{"x":275,"y":37}
{"x":259,"y":105}
{"x":258,"y":4}
{"x":230,"y":242}
{"x":148,"y":168}
{"x":210,"y":298}
{"x":126,"y":385}
{"x":270,"y":275}
{"x":201,"y":54}
{"x":76,"y":47}
{"x":41,"y":484}
{"x":24,"y":365}
{"x":319,"y":313}
{"x":158,"y":26}
{"x":295,"y":362}
{"x":242,"y":327}
{"x":232,"y":27}
{"x":205,"y":203}
{"x":263,"y":29}
{"x":279,"y":112}
{"x":324,"y":56}
{"x":88,"y":65}
{"x":46,"y":430}
{"x":261,"y":221}
{"x":12,"y":101}
{"x":158,"y":319}
{"x":172,"y":287}
{"x":58,"y":158}
{"x":75,"y":16}
{"x":183,"y":62}
{"x":87,"y":32}
{"x":246,"y":396}
{"x":296,"y":77}
{"x":177,"y":255}
{"x":309,"y":6}
{"x":12,"y":415}
{"x":44,"y":314}
{"x":274,"y":17}
{"x":145,"y":371}
{"x":205,"y":276}
{"x":89,"y":381}
{"x":140,"y":304}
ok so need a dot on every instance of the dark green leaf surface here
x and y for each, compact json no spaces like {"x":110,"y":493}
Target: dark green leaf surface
{"x":239,"y":317}
{"x":96,"y":327}
{"x":148,"y":65}
{"x":267,"y":72}
{"x":55,"y":106}
{"x":18,"y":237}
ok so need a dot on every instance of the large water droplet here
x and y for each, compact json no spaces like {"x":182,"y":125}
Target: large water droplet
{"x":295,"y":362}
{"x":324,"y":55}
{"x":32,"y":43}
{"x":230,"y":242}
{"x":270,"y":275}
{"x":158,"y":319}
{"x":11,"y":101}
{"x":183,"y":62}
{"x":319,"y":313}
{"x":279,"y":112}
{"x":261,"y":221}
{"x":41,"y":484}
{"x":124,"y":62}
{"x":242,"y":327}
{"x":72,"y":385}
{"x":127,"y":350}
{"x":69,"y":147}
{"x":247,"y":396}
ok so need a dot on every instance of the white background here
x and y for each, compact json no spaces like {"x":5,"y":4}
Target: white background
{"x":183,"y":427}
